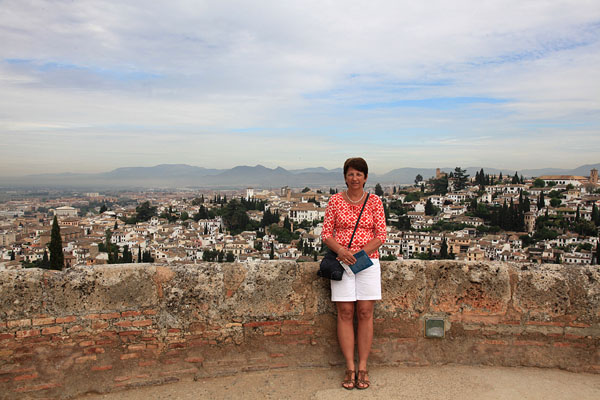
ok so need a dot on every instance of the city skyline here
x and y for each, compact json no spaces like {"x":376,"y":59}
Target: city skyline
{"x":89,"y":87}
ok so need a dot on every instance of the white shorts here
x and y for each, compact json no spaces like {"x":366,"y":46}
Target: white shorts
{"x":366,"y":285}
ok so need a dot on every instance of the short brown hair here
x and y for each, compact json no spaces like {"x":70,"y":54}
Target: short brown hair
{"x":358,"y":164}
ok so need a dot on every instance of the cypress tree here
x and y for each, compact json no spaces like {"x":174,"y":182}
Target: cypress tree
{"x":541,"y":201}
{"x":503,"y":219}
{"x":473,"y":204}
{"x":429,"y":210}
{"x":127,"y":256}
{"x":521,"y":200}
{"x":515,"y":178}
{"x":595,"y":215}
{"x":444,"y":250}
{"x":45,"y":260}
{"x":57,"y":258}
{"x":139,"y":260}
{"x":510,"y":225}
{"x":527,"y":206}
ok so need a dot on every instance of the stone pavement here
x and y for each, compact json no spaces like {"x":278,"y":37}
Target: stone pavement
{"x":450,"y":382}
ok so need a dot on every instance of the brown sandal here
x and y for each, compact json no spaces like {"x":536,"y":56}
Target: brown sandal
{"x":362,"y":382}
{"x":349,"y":382}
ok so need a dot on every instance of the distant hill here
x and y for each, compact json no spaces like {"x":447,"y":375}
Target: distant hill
{"x":258,"y":176}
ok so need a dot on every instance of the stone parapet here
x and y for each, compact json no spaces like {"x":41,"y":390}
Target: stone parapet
{"x":105,"y":328}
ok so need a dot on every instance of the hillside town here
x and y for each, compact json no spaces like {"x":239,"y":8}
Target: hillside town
{"x":546,"y":219}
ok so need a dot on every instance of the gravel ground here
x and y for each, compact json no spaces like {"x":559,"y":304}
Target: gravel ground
{"x":445,"y":382}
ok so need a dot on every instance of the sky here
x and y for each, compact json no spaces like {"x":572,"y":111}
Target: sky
{"x":90,"y":86}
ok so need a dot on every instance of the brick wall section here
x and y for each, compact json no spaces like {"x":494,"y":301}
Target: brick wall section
{"x":108,"y":328}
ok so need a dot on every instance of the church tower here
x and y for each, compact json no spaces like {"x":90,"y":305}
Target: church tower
{"x":530,"y":221}
{"x":594,"y":176}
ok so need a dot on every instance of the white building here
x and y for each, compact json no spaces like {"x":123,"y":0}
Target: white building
{"x":65,"y":211}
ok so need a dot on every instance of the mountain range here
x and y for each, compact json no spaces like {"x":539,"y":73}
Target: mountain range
{"x":187,"y":176}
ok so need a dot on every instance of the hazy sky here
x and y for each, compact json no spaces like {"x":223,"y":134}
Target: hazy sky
{"x":94,"y":85}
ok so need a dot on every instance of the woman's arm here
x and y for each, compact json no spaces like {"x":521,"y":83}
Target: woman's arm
{"x":343,"y":253}
{"x":372,"y":245}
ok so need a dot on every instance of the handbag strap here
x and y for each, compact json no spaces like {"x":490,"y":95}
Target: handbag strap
{"x":358,"y":220}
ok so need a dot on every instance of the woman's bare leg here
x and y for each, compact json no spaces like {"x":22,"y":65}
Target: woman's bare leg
{"x":345,"y":331}
{"x":365,"y":331}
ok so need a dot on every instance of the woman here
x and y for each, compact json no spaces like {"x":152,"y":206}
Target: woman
{"x":355,"y":292}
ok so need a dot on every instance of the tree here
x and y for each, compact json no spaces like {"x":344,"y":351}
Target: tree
{"x":418,"y":179}
{"x":440,"y":186}
{"x":378,"y":190}
{"x":541,"y":201}
{"x":229,"y":257}
{"x":515,"y":179}
{"x":45,"y":261}
{"x":595,"y":215}
{"x":147,"y":257}
{"x":460,"y":178}
{"x":203,"y":213}
{"x":102,"y":208}
{"x":429,"y":208}
{"x":235,"y":217}
{"x":306,"y":189}
{"x":287,"y":225}
{"x":473,"y":204}
{"x":57,"y":258}
{"x":539,"y":183}
{"x":139,"y":258}
{"x":444,"y":250}
{"x":482,"y":179}
{"x":144,"y":211}
{"x":272,"y":253}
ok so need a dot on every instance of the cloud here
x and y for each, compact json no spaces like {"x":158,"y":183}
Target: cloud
{"x":287,"y":83}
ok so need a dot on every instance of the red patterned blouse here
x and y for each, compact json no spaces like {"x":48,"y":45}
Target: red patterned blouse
{"x":340,"y":219}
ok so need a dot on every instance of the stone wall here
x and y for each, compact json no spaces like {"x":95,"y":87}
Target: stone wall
{"x":107,"y":328}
